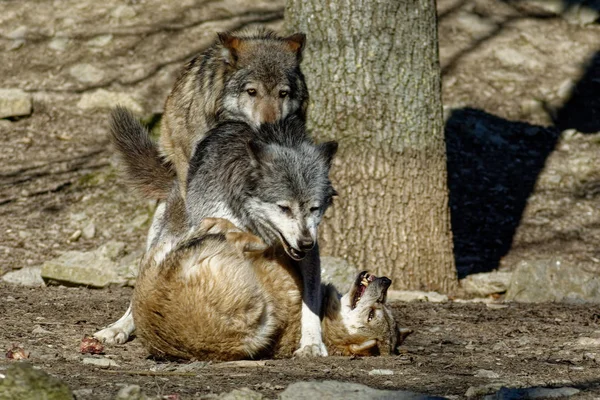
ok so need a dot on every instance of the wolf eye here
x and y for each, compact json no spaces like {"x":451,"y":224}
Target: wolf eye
{"x":285,"y":209}
{"x":283,"y":93}
{"x":371,"y":314}
{"x":251,"y":92}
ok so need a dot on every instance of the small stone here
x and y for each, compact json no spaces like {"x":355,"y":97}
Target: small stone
{"x":580,"y":14}
{"x":241,"y":394}
{"x":19,"y":33}
{"x":59,"y":43}
{"x":477,"y":391}
{"x":75,"y":236}
{"x":100,"y":362}
{"x":89,"y":231}
{"x":124,"y":12}
{"x":103,"y":99}
{"x":83,"y":393}
{"x":334,"y":390}
{"x":566,"y":89}
{"x":381,"y":372}
{"x":14,"y":103}
{"x":588,"y":342}
{"x":100,"y":41}
{"x":86,"y":73}
{"x":416,"y":295}
{"x":242,"y":364}
{"x":38,"y":330}
{"x":131,"y":392}
{"x":488,"y":283}
{"x":26,"y":276}
{"x":81,"y":268}
{"x":113,"y":249}
{"x":484,"y":373}
{"x":24,"y":234}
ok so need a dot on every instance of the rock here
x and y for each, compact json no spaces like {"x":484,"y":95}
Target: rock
{"x":565,"y":89}
{"x":588,"y":342}
{"x":242,"y":364}
{"x":241,"y":394}
{"x":14,"y":103}
{"x":477,"y":391}
{"x":75,"y":236}
{"x":580,"y":14}
{"x":550,"y":6}
{"x":100,"y":40}
{"x":339,"y":272}
{"x":83,"y":393}
{"x":100,"y":362}
{"x":381,"y":372}
{"x":26,"y":276}
{"x":131,"y":392}
{"x":552,"y":280}
{"x":475,"y":25}
{"x":23,"y":382}
{"x":140,"y":220}
{"x":512,"y":57}
{"x":485,"y":284}
{"x":532,"y":393}
{"x":59,"y":43}
{"x":103,"y":99}
{"x":124,"y":12}
{"x":38,"y":330}
{"x":86,"y":73}
{"x":81,"y":268}
{"x":487,"y":374}
{"x":334,"y":390}
{"x":89,"y":231}
{"x":416,"y":295}
{"x":19,"y":33}
{"x":112,"y":249}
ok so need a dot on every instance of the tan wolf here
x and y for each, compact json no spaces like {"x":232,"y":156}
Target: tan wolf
{"x":251,"y":76}
{"x":220,"y":293}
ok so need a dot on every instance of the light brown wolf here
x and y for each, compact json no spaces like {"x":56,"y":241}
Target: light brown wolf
{"x":221,"y":294}
{"x":252,"y":76}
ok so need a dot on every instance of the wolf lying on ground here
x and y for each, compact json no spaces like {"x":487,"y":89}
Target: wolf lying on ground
{"x":272,"y":181}
{"x":221,"y":293}
{"x":251,"y":76}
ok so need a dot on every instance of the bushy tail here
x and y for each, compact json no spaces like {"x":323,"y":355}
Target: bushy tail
{"x":145,"y":169}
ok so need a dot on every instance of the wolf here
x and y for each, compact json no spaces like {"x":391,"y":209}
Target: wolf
{"x":219,"y":293}
{"x":252,"y":76}
{"x":272,"y":181}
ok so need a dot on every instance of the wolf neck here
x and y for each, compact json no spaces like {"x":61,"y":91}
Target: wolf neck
{"x":335,"y":334}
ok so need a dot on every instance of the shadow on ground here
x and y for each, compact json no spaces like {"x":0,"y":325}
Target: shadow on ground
{"x":493,"y":165}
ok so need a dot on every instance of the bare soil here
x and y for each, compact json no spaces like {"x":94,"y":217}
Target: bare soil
{"x":523,"y":114}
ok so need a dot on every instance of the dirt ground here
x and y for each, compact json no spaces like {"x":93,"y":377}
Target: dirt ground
{"x":520,"y":90}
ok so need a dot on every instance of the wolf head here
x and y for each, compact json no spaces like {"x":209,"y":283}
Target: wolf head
{"x":265,"y":83}
{"x":365,"y":315}
{"x":290,"y":190}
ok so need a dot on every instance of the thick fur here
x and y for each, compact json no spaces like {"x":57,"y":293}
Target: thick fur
{"x":222,"y":294}
{"x":252,"y":76}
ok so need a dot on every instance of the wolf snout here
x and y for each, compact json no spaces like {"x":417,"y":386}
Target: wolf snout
{"x":386,"y":282}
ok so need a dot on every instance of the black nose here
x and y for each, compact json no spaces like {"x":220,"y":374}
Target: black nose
{"x":386,"y":282}
{"x":306,"y":244}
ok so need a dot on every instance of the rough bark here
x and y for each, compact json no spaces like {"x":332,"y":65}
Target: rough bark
{"x":372,"y":69}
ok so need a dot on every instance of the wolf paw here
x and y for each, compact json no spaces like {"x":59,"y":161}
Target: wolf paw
{"x":311,"y":350}
{"x":112,"y":335}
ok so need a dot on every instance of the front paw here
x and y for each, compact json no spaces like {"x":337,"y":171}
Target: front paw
{"x":112,"y":335}
{"x":311,"y":350}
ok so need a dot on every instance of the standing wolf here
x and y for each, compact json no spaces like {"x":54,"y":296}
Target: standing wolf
{"x":252,"y":76}
{"x":272,"y":180}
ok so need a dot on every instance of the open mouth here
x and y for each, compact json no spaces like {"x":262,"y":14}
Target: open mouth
{"x":296,"y":254}
{"x":363,"y":280}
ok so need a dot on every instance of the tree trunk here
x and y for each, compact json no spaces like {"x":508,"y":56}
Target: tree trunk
{"x":372,"y":68}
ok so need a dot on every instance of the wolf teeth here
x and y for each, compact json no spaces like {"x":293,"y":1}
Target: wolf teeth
{"x":364,"y":282}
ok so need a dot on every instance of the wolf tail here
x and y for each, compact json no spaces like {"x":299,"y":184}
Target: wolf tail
{"x":145,"y":169}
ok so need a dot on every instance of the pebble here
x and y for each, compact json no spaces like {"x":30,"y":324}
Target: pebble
{"x":14,"y":103}
{"x":86,"y":73}
{"x":40,"y":331}
{"x":100,"y":362}
{"x":104,"y":99}
{"x":484,"y":373}
{"x":75,"y":236}
{"x":89,"y":231}
{"x":416,"y":295}
{"x":588,"y":342}
{"x":59,"y":43}
{"x":381,"y":372}
{"x":100,"y":40}
{"x":26,"y":276}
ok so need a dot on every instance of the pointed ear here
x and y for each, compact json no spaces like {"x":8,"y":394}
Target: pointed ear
{"x":257,"y":151}
{"x":231,"y":45}
{"x":214,"y":226}
{"x":296,"y":42}
{"x":246,"y":243}
{"x":328,"y":149}
{"x":364,"y":346}
{"x":402,"y":334}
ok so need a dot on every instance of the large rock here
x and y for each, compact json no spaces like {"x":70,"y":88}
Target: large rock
{"x":86,"y":73}
{"x":98,"y":268}
{"x":553,"y":280}
{"x":335,"y":390}
{"x":487,"y":283}
{"x":23,"y":382}
{"x":532,"y":393}
{"x":416,"y":295}
{"x":14,"y":103}
{"x":339,"y":272}
{"x":28,"y":276}
{"x":103,"y":99}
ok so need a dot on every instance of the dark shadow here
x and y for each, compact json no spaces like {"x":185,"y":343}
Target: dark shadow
{"x":595,"y":4}
{"x":493,"y":165}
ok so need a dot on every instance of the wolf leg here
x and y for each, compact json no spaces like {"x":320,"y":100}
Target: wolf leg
{"x":311,"y":340}
{"x":118,"y":332}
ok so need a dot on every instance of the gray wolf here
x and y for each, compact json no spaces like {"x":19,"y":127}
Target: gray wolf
{"x":221,"y":293}
{"x":252,"y":76}
{"x":272,"y":180}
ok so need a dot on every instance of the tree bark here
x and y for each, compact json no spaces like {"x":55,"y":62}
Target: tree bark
{"x":372,"y":68}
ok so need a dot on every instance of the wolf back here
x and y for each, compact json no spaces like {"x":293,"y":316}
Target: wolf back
{"x":252,"y":76}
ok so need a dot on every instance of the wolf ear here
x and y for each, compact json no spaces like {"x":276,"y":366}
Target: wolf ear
{"x":296,"y":42}
{"x":328,"y":149}
{"x":363,"y":347}
{"x":246,"y":243}
{"x":231,"y":45}
{"x":257,"y":152}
